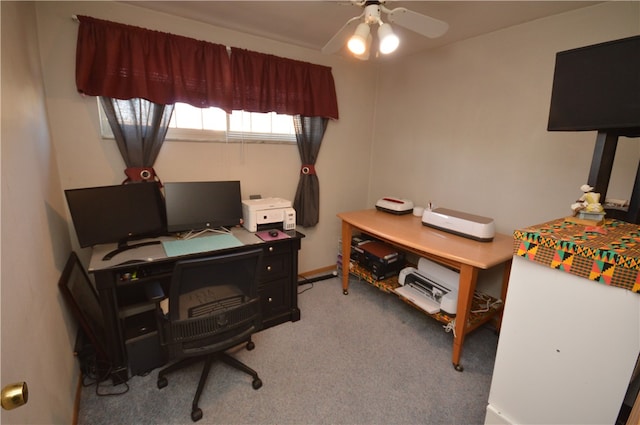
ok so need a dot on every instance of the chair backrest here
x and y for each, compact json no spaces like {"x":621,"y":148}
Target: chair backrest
{"x":213,"y":303}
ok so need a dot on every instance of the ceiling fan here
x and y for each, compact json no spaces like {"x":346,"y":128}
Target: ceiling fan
{"x":360,"y":42}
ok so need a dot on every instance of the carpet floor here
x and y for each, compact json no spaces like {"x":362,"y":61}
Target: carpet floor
{"x":365,"y":358}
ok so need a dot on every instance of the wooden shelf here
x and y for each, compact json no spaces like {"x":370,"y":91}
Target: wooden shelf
{"x":477,"y":317}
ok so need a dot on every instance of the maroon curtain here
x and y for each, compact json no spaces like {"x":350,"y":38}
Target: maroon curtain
{"x":126,"y":62}
{"x":265,"y":83}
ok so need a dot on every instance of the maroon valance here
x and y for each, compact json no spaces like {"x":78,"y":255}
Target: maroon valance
{"x":124,"y":62}
{"x":264,"y":83}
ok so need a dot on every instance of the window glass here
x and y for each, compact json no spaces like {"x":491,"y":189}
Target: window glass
{"x":214,"y":125}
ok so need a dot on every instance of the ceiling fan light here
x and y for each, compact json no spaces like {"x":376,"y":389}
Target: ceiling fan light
{"x":358,"y":42}
{"x":365,"y":55}
{"x":389,"y":42}
{"x":356,"y":45}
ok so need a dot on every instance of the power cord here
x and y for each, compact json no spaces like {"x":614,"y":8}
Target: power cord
{"x":306,"y":289}
{"x":486,"y":300}
{"x":482,"y":298}
{"x":96,"y":372}
{"x":312,"y":280}
{"x":192,"y":234}
{"x":450,"y":327}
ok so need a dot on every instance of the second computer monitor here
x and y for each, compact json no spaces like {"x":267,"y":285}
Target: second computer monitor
{"x":194,"y":206}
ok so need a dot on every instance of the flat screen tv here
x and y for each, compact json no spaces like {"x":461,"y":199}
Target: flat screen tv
{"x":195,"y":206}
{"x":598,"y":88}
{"x":117,"y":214}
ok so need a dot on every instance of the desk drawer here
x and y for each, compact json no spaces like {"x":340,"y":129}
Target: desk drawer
{"x":277,"y":248}
{"x":275,"y":298}
{"x":275,"y":267}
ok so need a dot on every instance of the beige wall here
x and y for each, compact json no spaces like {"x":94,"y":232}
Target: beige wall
{"x":271,"y":170}
{"x":462,"y":126}
{"x":471,"y":133}
{"x":37,"y":340}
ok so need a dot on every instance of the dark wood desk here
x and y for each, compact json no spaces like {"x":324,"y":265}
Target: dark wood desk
{"x":126,"y":286}
{"x":468,"y":256}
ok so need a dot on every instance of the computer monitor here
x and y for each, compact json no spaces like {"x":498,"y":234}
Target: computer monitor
{"x":195,"y":206}
{"x":82,"y":298}
{"x":117,"y":214}
{"x":597,"y":88}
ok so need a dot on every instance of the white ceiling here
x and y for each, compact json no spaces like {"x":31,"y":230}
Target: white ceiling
{"x":312,"y":24}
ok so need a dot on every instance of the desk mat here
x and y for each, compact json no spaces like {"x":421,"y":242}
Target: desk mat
{"x":200,"y":244}
{"x":608,"y":254}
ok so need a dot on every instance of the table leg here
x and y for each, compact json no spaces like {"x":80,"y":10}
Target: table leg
{"x":503,"y":293}
{"x":468,"y":279}
{"x":346,"y":256}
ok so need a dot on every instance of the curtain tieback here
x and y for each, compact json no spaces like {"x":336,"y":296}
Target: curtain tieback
{"x":308,"y":169}
{"x":141,"y":174}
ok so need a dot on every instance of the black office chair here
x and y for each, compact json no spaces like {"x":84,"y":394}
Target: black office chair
{"x":213,"y":306}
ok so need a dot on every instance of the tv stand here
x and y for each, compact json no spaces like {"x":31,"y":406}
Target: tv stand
{"x":122,"y":247}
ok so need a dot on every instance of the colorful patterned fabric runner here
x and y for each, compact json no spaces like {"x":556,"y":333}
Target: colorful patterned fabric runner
{"x":608,"y":254}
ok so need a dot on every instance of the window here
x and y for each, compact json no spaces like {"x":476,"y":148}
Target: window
{"x":189,"y":123}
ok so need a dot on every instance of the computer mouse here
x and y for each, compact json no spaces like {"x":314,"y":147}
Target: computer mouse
{"x":273,"y":233}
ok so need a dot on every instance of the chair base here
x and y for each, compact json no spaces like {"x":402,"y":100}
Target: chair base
{"x":196,"y":412}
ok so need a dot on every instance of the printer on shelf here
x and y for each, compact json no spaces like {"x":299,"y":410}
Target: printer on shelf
{"x":431,"y":287}
{"x":268,"y":213}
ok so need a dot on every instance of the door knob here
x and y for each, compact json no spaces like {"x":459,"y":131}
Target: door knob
{"x":14,"y":395}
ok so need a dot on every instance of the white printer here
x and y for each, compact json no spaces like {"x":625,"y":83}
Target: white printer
{"x":431,"y":286}
{"x":268,"y":213}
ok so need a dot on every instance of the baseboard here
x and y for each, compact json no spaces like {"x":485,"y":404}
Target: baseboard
{"x":76,"y":401}
{"x":327,"y":269}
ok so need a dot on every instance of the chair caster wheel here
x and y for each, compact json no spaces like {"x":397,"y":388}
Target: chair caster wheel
{"x":162,"y":382}
{"x":250,"y":345}
{"x":196,"y":414}
{"x":458,"y":367}
{"x":345,"y":292}
{"x":257,"y":383}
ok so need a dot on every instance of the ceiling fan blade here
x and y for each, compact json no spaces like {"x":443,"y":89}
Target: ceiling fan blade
{"x":416,"y":22}
{"x":340,"y":38}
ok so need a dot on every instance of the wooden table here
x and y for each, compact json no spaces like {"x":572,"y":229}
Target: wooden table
{"x":466,"y":255}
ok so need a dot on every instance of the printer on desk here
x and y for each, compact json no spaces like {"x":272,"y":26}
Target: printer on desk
{"x":268,"y":213}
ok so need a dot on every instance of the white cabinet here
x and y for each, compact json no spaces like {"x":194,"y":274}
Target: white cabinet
{"x":566,"y":351}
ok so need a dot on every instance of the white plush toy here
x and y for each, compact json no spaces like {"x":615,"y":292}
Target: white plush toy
{"x":589,"y":201}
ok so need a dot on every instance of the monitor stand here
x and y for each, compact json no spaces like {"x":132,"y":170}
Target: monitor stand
{"x":600,"y":172}
{"x":123,"y":246}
